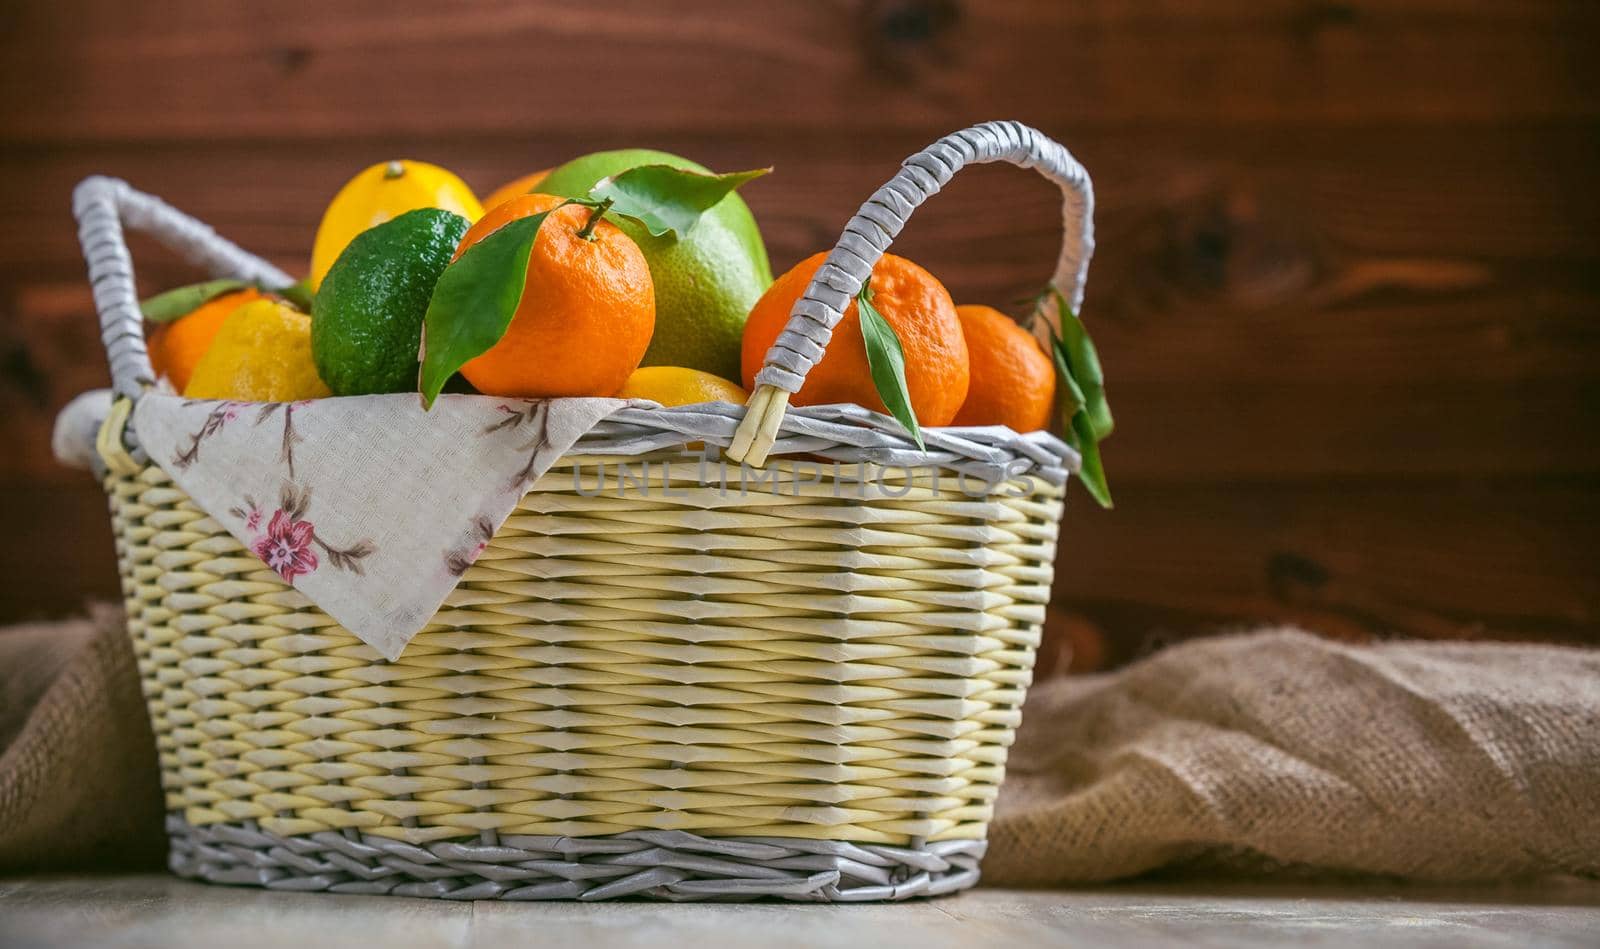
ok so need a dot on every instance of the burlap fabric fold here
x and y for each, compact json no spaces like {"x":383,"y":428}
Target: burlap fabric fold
{"x":78,"y":782}
{"x":1272,"y":752}
{"x":1279,"y":752}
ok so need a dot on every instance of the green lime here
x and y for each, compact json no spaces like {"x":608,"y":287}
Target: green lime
{"x":366,"y":321}
{"x":705,"y":282}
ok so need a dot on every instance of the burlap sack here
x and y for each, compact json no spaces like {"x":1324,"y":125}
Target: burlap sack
{"x":78,"y":780}
{"x":1281,"y":752}
{"x":1273,"y":752}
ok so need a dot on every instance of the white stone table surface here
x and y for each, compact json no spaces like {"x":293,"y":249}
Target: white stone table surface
{"x":164,"y":912}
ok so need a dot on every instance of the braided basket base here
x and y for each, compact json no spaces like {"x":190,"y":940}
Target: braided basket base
{"x":665,"y":865}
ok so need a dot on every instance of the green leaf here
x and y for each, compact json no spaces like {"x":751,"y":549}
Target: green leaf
{"x":299,"y":293}
{"x":1085,"y":363}
{"x":1068,"y":393}
{"x":1080,"y":390}
{"x":474,"y":301}
{"x":887,"y":360}
{"x":1091,"y":472}
{"x":166,"y":307}
{"x":181,"y":301}
{"x":664,"y":199}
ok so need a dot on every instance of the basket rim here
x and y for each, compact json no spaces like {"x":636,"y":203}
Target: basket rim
{"x":853,"y":429}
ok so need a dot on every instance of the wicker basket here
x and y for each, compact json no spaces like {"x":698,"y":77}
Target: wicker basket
{"x":829,"y":722}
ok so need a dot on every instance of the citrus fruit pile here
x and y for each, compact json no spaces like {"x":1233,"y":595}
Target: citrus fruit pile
{"x":634,"y":273}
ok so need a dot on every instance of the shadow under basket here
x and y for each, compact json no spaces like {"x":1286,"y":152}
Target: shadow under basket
{"x":828,"y":719}
{"x":799,"y":682}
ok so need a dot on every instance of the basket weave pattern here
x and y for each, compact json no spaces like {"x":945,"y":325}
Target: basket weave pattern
{"x":845,"y":669}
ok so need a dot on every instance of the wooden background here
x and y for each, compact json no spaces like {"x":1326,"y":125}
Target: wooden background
{"x":1348,"y":288}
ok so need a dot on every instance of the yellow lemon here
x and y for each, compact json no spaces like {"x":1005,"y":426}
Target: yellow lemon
{"x":261,"y":353}
{"x":386,"y":190}
{"x":176,"y":347}
{"x":675,"y":385}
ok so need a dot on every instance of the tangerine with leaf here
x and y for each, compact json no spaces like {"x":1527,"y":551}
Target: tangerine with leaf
{"x":914,"y":305}
{"x":548,"y":298}
{"x":581,"y":322}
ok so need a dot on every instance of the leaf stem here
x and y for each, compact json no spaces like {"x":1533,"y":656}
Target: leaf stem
{"x":587,"y":231}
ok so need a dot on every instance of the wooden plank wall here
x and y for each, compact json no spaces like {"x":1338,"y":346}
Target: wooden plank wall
{"x":1347,"y":286}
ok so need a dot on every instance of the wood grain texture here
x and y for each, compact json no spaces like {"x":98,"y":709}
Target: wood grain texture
{"x":1347,"y":283}
{"x":823,"y":67}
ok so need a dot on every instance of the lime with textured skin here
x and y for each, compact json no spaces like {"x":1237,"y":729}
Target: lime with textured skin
{"x":705,"y":281}
{"x":366,"y":321}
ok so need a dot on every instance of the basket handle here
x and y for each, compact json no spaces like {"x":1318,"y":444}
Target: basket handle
{"x":103,"y":206}
{"x":869,"y":234}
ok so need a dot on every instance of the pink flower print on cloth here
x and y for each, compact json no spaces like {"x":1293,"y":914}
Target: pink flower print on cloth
{"x":290,"y":544}
{"x":286,"y":547}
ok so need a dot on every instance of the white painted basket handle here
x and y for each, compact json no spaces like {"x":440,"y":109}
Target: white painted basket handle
{"x":869,"y":234}
{"x":103,"y":206}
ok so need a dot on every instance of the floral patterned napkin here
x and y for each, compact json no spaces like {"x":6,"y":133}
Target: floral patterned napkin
{"x":371,"y":507}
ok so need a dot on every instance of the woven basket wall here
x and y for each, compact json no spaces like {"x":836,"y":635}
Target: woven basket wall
{"x":855,"y":675}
